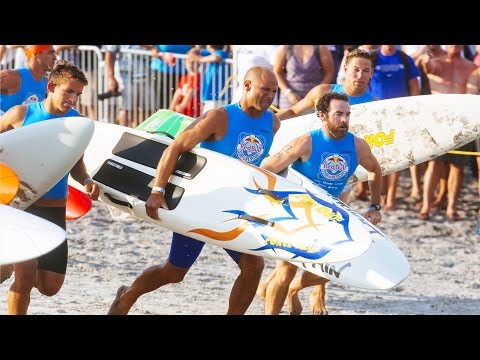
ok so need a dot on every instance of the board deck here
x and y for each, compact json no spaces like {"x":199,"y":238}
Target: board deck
{"x":245,"y":208}
{"x":401,"y":131}
{"x":25,"y":236}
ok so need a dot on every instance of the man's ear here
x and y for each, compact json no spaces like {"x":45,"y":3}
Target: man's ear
{"x":51,"y":87}
{"x":321,"y":115}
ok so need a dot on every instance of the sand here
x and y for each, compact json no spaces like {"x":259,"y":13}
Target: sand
{"x":106,"y":253}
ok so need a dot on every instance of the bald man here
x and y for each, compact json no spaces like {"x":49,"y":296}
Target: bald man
{"x":227,"y":130}
{"x":26,"y":85}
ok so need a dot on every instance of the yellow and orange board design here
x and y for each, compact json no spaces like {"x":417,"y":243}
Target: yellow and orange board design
{"x":9,"y":184}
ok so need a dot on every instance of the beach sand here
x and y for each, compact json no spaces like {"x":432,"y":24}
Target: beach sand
{"x":105,"y":253}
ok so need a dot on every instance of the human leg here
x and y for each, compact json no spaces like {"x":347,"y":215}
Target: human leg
{"x":5,"y":272}
{"x":441,"y":198}
{"x":262,"y":286}
{"x":416,"y":174}
{"x":47,"y":273}
{"x":455,"y":165}
{"x":455,"y":180}
{"x":478,"y":174}
{"x":317,"y":297}
{"x":18,"y":296}
{"x":246,"y":284}
{"x":430,"y":182}
{"x":277,"y":289}
{"x":476,"y":148}
{"x":306,"y":279}
{"x":52,"y":267}
{"x":184,"y":251}
{"x":392,"y":181}
{"x":362,"y":191}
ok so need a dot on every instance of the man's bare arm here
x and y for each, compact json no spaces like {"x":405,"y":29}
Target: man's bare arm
{"x":299,"y":148}
{"x":366,"y":159}
{"x":13,"y":118}
{"x":212,"y":125}
{"x":307,"y":103}
{"x":9,"y":81}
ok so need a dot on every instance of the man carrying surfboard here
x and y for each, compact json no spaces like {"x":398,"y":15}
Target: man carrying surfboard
{"x":358,"y":72}
{"x":338,"y":152}
{"x":242,"y":130}
{"x":47,"y":273}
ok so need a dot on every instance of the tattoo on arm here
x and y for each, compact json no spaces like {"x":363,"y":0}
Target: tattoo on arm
{"x":284,"y":151}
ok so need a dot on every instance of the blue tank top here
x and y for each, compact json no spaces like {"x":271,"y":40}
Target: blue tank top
{"x":332,"y":161}
{"x":366,"y":97}
{"x":35,"y":113}
{"x":247,"y":139}
{"x":30,"y":91}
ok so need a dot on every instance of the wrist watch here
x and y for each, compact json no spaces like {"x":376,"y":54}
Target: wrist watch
{"x":158,"y":189}
{"x":377,"y":207}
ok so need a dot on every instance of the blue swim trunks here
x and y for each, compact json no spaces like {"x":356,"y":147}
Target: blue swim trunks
{"x":184,"y":251}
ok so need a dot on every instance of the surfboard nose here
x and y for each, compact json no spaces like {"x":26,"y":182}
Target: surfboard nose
{"x":77,"y":131}
{"x":50,"y":148}
{"x":383,"y":266}
{"x":389,"y":270}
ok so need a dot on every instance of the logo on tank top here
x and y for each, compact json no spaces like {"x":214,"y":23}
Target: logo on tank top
{"x":250,"y":147}
{"x":30,"y":99}
{"x":334,"y":166}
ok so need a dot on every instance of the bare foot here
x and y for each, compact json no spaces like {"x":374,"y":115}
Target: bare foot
{"x":262,"y":290}
{"x":362,"y":196}
{"x":317,"y":304}
{"x":293,"y":302}
{"x":5,"y":272}
{"x":115,"y":307}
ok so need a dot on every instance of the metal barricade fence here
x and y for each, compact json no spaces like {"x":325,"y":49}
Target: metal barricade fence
{"x":143,"y":91}
{"x":88,"y":58}
{"x":146,"y":90}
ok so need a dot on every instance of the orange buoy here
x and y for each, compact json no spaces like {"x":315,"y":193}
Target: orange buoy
{"x":78,"y":203}
{"x":9,"y":184}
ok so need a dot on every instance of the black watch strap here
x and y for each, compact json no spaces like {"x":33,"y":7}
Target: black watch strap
{"x":377,"y":207}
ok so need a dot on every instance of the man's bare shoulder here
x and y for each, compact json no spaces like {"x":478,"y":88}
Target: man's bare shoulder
{"x":9,"y":79}
{"x":213,"y":122}
{"x":361,"y":145}
{"x":9,"y":72}
{"x":318,"y":91}
{"x":215,"y":115}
